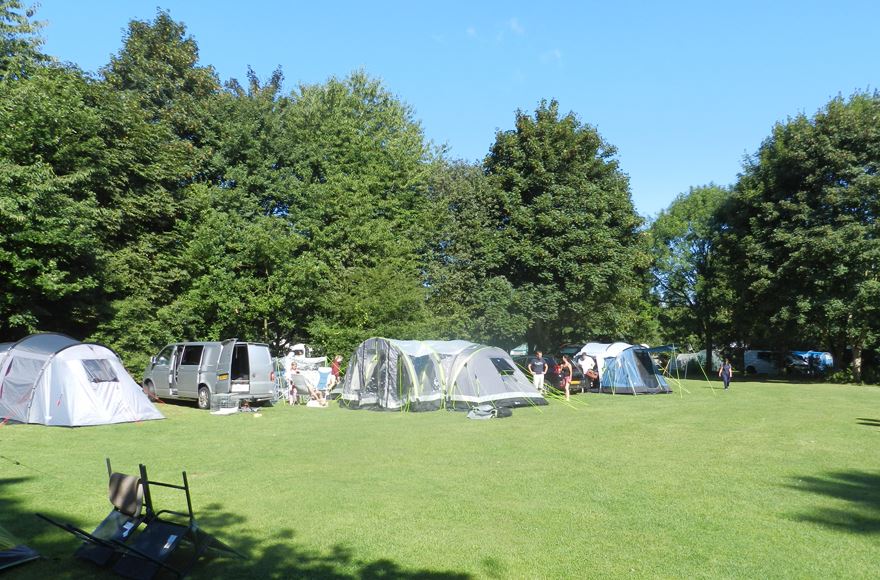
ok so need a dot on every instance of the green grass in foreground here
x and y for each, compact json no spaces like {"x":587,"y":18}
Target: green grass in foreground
{"x":766,"y":480}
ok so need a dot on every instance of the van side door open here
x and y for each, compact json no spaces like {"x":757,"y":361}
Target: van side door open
{"x":187,"y":375}
{"x":162,"y":371}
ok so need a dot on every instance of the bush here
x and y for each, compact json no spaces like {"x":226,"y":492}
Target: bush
{"x":870,"y":376}
{"x":842,"y":376}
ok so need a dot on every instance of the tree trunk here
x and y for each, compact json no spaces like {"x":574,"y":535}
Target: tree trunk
{"x":536,"y":338}
{"x":838,"y":348}
{"x":857,"y":363}
{"x":708,"y":345}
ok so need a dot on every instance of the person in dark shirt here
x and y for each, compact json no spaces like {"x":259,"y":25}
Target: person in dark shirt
{"x":726,"y":372}
{"x":538,"y":367}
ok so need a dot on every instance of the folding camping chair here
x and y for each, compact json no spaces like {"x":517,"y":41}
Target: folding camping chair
{"x":126,"y":494}
{"x":303,"y":388}
{"x":13,"y":552}
{"x":155,"y":548}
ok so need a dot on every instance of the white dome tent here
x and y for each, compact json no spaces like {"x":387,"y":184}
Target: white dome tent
{"x":52,"y":379}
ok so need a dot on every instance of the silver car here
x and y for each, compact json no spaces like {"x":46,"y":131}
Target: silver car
{"x":201,"y":370}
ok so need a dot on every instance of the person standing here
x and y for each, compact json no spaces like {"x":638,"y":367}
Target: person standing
{"x":726,"y":372}
{"x":334,"y":371}
{"x":588,"y":368}
{"x":566,"y":371}
{"x":291,"y":386}
{"x":538,"y":366}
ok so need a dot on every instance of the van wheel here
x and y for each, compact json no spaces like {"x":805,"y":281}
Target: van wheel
{"x":751,"y":370}
{"x":150,"y":390}
{"x":204,"y":398}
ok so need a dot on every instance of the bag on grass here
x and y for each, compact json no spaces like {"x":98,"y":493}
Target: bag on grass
{"x":488,"y":412}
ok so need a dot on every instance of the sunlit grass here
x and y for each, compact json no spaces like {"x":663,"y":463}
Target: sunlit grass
{"x":766,"y":480}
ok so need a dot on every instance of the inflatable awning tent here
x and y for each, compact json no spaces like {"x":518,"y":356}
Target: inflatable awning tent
{"x":625,"y":369}
{"x":52,"y":379}
{"x":410,"y":375}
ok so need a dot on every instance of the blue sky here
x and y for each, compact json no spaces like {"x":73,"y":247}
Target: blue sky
{"x":684,"y":90}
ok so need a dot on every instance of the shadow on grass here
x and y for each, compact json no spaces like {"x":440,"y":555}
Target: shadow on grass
{"x":276,"y":555}
{"x":279,"y":555}
{"x":27,"y":529}
{"x":860,"y":489}
{"x":868,"y":422}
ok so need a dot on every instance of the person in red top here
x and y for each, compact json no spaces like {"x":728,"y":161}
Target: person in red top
{"x":334,"y":371}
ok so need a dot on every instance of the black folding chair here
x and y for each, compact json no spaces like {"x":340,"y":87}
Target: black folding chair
{"x":156,"y":548}
{"x":126,"y":494}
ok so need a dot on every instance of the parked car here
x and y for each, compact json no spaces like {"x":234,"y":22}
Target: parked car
{"x":553,"y":376}
{"x":200,"y":370}
{"x":795,"y":365}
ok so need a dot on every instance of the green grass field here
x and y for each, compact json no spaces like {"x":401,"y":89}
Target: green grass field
{"x":768,"y":480}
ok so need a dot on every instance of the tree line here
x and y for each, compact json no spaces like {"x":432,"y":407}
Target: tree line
{"x":150,"y":202}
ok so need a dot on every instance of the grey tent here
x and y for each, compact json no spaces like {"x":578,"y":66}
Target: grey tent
{"x":52,"y":379}
{"x":624,"y":369}
{"x":410,"y":375}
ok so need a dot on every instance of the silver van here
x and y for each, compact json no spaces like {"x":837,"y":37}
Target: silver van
{"x":200,"y":370}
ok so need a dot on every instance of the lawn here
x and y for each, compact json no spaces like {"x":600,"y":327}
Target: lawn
{"x":767,"y":480}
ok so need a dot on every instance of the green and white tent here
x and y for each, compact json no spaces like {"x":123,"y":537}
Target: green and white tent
{"x":412,"y":375}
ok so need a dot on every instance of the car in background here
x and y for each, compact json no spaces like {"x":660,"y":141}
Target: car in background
{"x":553,"y":376}
{"x":803,"y":363}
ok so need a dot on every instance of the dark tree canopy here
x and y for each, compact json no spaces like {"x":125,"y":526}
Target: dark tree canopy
{"x":801,"y":231}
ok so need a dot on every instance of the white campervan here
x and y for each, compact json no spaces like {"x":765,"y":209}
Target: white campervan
{"x":200,"y":370}
{"x":761,"y":362}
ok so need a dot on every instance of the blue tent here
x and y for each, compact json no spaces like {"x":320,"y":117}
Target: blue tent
{"x":624,"y":369}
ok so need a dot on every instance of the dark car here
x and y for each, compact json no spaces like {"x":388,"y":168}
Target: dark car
{"x":553,"y":376}
{"x":796,"y":365}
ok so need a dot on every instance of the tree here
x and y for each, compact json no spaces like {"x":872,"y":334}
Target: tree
{"x":573,"y":252}
{"x":52,"y":243}
{"x":354,"y":161}
{"x":158,"y":64}
{"x":20,"y":41}
{"x":688,"y":282}
{"x":802,"y":231}
{"x":467,"y":292}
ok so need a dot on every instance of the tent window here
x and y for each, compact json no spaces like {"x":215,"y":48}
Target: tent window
{"x":99,"y":370}
{"x":192,"y":355}
{"x":502,"y":366}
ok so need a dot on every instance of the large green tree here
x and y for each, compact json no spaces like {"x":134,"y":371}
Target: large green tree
{"x":802,"y":231}
{"x":572,"y":249}
{"x":356,"y":157}
{"x":689,"y":282}
{"x":162,"y":116}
